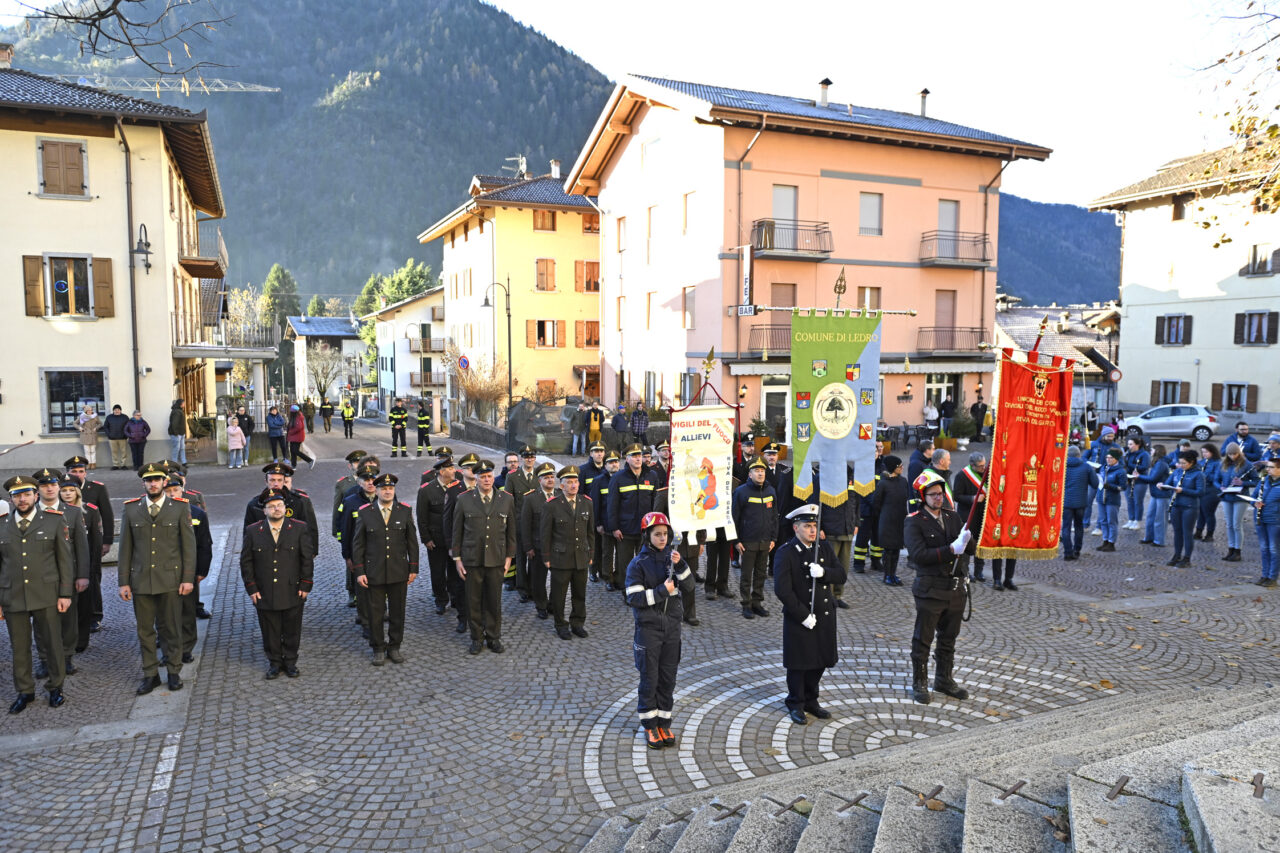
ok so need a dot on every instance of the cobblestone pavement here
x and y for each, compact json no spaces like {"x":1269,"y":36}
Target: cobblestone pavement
{"x":532,"y":749}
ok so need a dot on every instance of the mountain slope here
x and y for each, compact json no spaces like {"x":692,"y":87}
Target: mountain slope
{"x":1057,"y":252}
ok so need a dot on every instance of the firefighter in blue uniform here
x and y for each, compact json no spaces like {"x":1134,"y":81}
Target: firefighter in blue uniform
{"x":603,"y":569}
{"x":632,"y":493}
{"x":587,"y":475}
{"x":755,"y":516}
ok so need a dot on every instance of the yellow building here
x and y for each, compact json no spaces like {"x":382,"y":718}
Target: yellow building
{"x":527,"y":234}
{"x":101,"y":201}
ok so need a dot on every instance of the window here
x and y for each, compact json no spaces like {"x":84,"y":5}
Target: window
{"x":869,"y":297}
{"x":687,"y":306}
{"x":1170,"y":391}
{"x":66,"y":392}
{"x":544,"y":220}
{"x":590,"y":223}
{"x":545,"y":334}
{"x":546,"y":273}
{"x":1236,"y":396}
{"x":684,"y":217}
{"x":690,"y":383}
{"x":870,"y":214}
{"x":62,"y":168}
{"x":622,"y":233}
{"x":1173,"y":330}
{"x":586,"y":276}
{"x":1257,"y":327}
{"x":587,"y":334}
{"x":68,"y":286}
{"x":1260,"y":260}
{"x":782,"y":295}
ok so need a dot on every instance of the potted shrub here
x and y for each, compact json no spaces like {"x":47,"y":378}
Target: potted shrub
{"x":962,"y":429}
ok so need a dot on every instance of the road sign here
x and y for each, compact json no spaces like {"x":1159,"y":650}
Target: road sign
{"x":746,"y":310}
{"x":464,"y":362}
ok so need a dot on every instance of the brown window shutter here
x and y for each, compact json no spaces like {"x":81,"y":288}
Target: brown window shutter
{"x":1159,"y":333}
{"x":1251,"y":399}
{"x":1184,"y":392}
{"x":1155,"y":392}
{"x":1240,"y":321}
{"x":51,"y":159}
{"x":1186,"y":331}
{"x":579,"y":276}
{"x":1273,"y":324}
{"x":551,"y":273}
{"x":560,"y":335}
{"x":531,"y":333}
{"x":1215,"y":399}
{"x":33,"y":281}
{"x":104,"y":297}
{"x":73,"y":169}
{"x":578,"y":331}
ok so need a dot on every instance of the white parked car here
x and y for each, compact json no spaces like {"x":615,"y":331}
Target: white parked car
{"x":1198,"y":422}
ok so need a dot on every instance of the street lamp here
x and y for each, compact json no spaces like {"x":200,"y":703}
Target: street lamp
{"x":506,"y":292}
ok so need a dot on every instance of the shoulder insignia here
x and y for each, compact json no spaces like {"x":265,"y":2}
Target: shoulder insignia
{"x":586,"y":497}
{"x":182,"y":500}
{"x":362,"y":506}
{"x":192,"y":491}
{"x":913,"y":514}
{"x":403,"y":504}
{"x":132,"y":500}
{"x":86,"y":503}
{"x":528,"y":492}
{"x":300,"y":493}
{"x":343,"y":479}
{"x":54,"y":511}
{"x":97,"y":482}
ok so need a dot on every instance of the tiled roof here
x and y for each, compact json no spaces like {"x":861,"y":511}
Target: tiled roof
{"x":488,"y":182}
{"x":742,"y":99}
{"x":1186,"y":174}
{"x":1022,"y":324}
{"x":541,"y":190}
{"x":24,"y":89}
{"x":330,"y":327}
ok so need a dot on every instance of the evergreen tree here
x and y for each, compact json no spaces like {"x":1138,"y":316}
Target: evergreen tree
{"x":367,"y":301}
{"x":316,"y":307}
{"x":281,"y":293}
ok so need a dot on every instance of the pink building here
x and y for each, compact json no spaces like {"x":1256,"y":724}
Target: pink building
{"x":693,"y":179}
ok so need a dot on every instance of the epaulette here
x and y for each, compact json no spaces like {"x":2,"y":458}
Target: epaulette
{"x":183,"y":500}
{"x":99,"y":482}
{"x":913,"y":514}
{"x":340,"y":479}
{"x":300,"y":492}
{"x":403,"y":504}
{"x":363,"y":506}
{"x":531,"y":491}
{"x":588,"y":497}
{"x":132,"y":500}
{"x":192,"y":491}
{"x":86,"y":503}
{"x":53,"y":511}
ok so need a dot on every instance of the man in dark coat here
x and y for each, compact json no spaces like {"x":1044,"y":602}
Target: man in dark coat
{"x":804,"y":570}
{"x":935,"y":536}
{"x":94,"y":492}
{"x":968,"y":491}
{"x":839,"y":525}
{"x":384,"y":557}
{"x":565,"y":534}
{"x":755,"y":516}
{"x":276,"y":565}
{"x":350,"y":510}
{"x":606,"y":545}
{"x":429,"y":510}
{"x":204,"y":558}
{"x":587,"y":478}
{"x":483,"y":547}
{"x":71,"y":494}
{"x":632,"y":496}
{"x":532,"y":505}
{"x":889,"y":506}
{"x":519,"y":483}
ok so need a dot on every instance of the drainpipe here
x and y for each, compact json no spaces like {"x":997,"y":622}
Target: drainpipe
{"x":133,"y":280}
{"x":986,"y":207}
{"x":737,"y":322}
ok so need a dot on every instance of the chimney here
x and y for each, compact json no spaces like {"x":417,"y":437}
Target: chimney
{"x":924,"y":96}
{"x":555,"y":168}
{"x":6,"y":55}
{"x":822,"y":91}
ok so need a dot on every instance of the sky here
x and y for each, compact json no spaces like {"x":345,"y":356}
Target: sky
{"x":1112,"y":87}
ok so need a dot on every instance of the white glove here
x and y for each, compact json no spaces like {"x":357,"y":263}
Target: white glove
{"x":816,"y":570}
{"x":810,"y":621}
{"x":958,"y":546}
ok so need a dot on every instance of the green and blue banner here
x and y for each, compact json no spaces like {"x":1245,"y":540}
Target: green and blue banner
{"x":835,"y":377}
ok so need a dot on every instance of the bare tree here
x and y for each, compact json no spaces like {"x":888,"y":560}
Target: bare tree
{"x":482,"y":388}
{"x":145,"y":29}
{"x":336,"y":306}
{"x":324,"y":365}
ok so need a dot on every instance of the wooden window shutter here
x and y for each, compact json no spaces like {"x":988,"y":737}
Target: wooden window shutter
{"x":73,"y":168}
{"x":531,"y":333}
{"x":579,"y":276}
{"x":1251,"y":399}
{"x":551,"y":273}
{"x":579,"y":331}
{"x":1240,"y":321}
{"x":1184,"y":392}
{"x":104,"y":297}
{"x":1215,"y":396}
{"x":1273,"y":325}
{"x":560,"y":334}
{"x":1155,"y":392}
{"x":1186,"y":332}
{"x":51,"y":160}
{"x":1159,"y":332}
{"x":33,"y":281}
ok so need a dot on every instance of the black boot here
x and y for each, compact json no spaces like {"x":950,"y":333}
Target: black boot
{"x":920,"y":683}
{"x":944,"y":683}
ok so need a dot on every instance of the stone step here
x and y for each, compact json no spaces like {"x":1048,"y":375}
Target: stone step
{"x":658,"y":832}
{"x":769,"y":827}
{"x":1156,"y":771}
{"x":1127,"y":824}
{"x":711,"y":828}
{"x":834,"y":824}
{"x":612,"y":836}
{"x":1241,"y":761}
{"x":1226,"y":817}
{"x":1013,"y":824}
{"x":906,"y":824}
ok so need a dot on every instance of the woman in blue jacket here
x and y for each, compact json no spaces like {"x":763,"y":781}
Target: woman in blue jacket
{"x":1158,"y":507}
{"x":1266,"y":499}
{"x":1136,"y":463}
{"x":1235,"y":472}
{"x":1114,"y":483}
{"x":1207,"y":522}
{"x":275,"y":434}
{"x":1186,"y":484}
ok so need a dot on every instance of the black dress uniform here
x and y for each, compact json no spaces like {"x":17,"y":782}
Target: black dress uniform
{"x":755,"y":516}
{"x":37,"y":569}
{"x":423,"y":422}
{"x":350,"y":509}
{"x":87,"y":600}
{"x":384,"y":551}
{"x":587,"y":475}
{"x":484,"y":538}
{"x":565,"y":535}
{"x":93,"y":492}
{"x":532,"y":505}
{"x":889,"y":506}
{"x":867,"y":542}
{"x":398,"y":417}
{"x":278,"y":567}
{"x":839,"y":524}
{"x":518,"y":484}
{"x":69,"y":620}
{"x":806,"y":652}
{"x":940,"y":596}
{"x":429,"y":510}
{"x":297,"y":504}
{"x":204,"y":557}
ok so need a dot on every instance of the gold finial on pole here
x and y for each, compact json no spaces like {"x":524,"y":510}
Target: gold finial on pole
{"x":708,"y":364}
{"x":840,"y":286}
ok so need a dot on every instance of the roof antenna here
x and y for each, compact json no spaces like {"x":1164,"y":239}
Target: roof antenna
{"x":520,"y":168}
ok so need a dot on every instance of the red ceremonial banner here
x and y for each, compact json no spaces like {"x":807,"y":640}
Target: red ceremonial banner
{"x":1022,"y":518}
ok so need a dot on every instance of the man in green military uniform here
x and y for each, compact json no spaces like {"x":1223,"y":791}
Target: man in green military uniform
{"x":566,"y":540}
{"x":385,"y":561}
{"x":483,"y":546}
{"x":157,"y":566}
{"x":276,"y":565}
{"x":398,"y":417}
{"x":50,"y":486}
{"x":37,"y":574}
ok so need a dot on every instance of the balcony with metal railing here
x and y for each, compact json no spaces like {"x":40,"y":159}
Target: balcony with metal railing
{"x":948,"y":339}
{"x":190,"y":336}
{"x":199,"y":265}
{"x":959,"y":249}
{"x":790,"y":239}
{"x":419,"y":379}
{"x":426,"y":344}
{"x":769,"y":341}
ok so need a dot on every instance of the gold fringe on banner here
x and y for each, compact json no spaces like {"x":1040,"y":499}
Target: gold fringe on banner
{"x":1008,"y":553}
{"x":827,"y":499}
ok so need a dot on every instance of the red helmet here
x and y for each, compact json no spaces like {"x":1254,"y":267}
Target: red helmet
{"x":926,"y":479}
{"x":654,"y":518}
